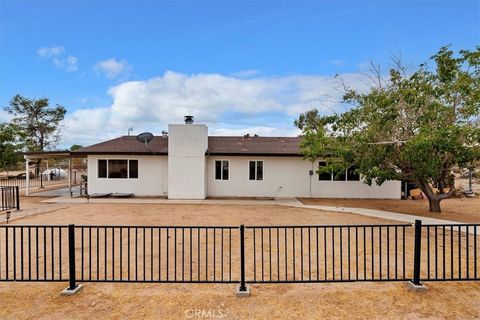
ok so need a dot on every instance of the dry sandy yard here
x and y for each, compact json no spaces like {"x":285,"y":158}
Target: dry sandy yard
{"x":295,"y":301}
{"x":177,"y":301}
{"x":462,"y":210}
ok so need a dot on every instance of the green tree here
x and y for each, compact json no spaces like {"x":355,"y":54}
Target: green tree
{"x":75,"y":147}
{"x":37,"y":121}
{"x":9,"y":147}
{"x":412,"y":126}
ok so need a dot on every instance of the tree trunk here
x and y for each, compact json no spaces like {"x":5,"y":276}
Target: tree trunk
{"x":434,"y":205}
{"x":433,"y":198}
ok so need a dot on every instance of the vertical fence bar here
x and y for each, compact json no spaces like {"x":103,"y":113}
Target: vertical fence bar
{"x":17,"y":197}
{"x":417,"y":253}
{"x":71,"y":257}
{"x":243,"y":287}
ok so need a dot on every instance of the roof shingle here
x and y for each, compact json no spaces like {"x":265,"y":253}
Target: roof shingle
{"x":217,"y":145}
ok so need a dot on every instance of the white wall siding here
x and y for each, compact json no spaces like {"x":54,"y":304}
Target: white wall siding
{"x":151,"y":181}
{"x":195,"y":178}
{"x":288,"y":177}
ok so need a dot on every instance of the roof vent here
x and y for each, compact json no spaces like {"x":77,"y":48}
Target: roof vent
{"x":188,"y":119}
{"x":164,"y":133}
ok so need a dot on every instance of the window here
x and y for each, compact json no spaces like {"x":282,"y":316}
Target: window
{"x":133,"y":169}
{"x":102,"y":168}
{"x":324,"y":176}
{"x":352,"y":175}
{"x":221,"y":169}
{"x":117,"y":169}
{"x":255,"y":170}
{"x":339,"y":175}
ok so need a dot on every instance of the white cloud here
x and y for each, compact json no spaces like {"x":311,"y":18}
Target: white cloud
{"x":53,"y":51}
{"x":4,"y":116}
{"x":68,"y":64}
{"x":263,"y":131}
{"x":212,"y":98}
{"x":113,"y":68}
{"x":57,"y":55}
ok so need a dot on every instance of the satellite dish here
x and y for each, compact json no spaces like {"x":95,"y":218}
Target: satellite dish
{"x":145,"y":137}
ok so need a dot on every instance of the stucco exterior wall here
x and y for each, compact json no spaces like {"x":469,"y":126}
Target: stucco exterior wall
{"x":289,"y":177}
{"x":187,"y":144}
{"x":151,"y":181}
{"x":194,"y":178}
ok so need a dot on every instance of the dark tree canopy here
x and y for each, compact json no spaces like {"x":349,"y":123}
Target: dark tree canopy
{"x":37,"y":121}
{"x":9,"y":147}
{"x":75,"y":147}
{"x":414,"y":126}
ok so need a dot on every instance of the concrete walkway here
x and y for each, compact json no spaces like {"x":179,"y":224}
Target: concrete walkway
{"x":366,"y":212}
{"x":61,"y":192}
{"x":15,"y":215}
{"x":293,"y":202}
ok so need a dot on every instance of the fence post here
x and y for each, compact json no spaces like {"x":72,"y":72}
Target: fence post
{"x":17,"y":197}
{"x":73,"y":288}
{"x":417,"y":255}
{"x":71,"y":257}
{"x":41,"y":180}
{"x":242,"y":290}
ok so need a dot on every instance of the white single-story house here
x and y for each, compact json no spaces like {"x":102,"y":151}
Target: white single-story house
{"x":186,"y":163}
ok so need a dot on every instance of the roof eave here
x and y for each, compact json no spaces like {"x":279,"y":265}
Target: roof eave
{"x":257,"y":154}
{"x":86,"y":153}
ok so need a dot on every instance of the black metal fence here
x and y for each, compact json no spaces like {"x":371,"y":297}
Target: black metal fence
{"x":450,"y":252}
{"x":327,"y":253}
{"x":39,"y":181}
{"x":33,"y":253}
{"x":156,"y":254}
{"x":10,"y":198}
{"x":232,"y":254}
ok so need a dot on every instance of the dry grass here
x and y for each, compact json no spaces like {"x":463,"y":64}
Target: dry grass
{"x":278,"y":301}
{"x":462,"y":210}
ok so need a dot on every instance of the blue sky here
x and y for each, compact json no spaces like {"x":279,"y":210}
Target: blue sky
{"x":239,"y":66}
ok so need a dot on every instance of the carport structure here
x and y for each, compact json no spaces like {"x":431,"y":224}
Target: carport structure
{"x":43,"y":155}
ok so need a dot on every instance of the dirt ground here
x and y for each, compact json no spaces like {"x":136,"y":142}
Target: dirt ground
{"x":190,"y":214}
{"x":462,"y":210}
{"x":27,"y":203}
{"x":447,"y":300}
{"x":294,"y":301}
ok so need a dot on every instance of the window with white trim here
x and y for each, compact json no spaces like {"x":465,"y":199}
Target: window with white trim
{"x":324,"y":176}
{"x":222,"y":169}
{"x":340,"y":175}
{"x":117,"y":168}
{"x":352,"y":174}
{"x":255,"y":170}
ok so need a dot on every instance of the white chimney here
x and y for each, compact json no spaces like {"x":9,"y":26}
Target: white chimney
{"x":187,"y":145}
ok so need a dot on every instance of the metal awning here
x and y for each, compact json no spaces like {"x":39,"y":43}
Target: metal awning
{"x":49,"y":155}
